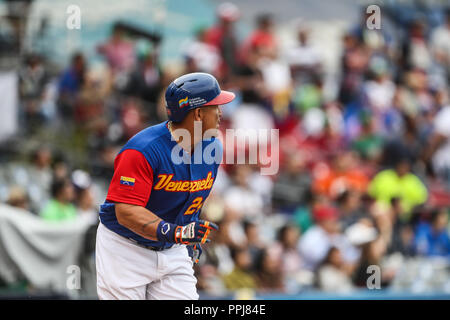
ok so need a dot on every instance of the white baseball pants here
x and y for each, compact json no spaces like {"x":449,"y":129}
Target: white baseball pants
{"x":126,"y":271}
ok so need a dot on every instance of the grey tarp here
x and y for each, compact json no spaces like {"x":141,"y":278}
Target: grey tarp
{"x":40,"y":251}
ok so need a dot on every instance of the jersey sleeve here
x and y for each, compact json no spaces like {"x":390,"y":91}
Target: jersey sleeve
{"x":132,"y":180}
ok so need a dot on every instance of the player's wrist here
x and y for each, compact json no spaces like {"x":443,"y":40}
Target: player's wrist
{"x":165,"y":231}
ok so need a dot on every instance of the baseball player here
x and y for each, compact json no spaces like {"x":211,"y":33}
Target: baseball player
{"x":150,"y":232}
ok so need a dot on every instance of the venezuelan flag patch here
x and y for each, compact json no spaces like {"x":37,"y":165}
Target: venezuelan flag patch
{"x":127,"y":181}
{"x":183,"y":102}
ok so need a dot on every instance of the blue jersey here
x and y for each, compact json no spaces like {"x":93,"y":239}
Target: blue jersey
{"x":146,"y":175}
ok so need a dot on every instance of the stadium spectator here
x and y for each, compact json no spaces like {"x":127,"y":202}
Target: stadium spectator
{"x":18,"y":198}
{"x":379,"y":91}
{"x":222,"y":37}
{"x":355,"y":60}
{"x":84,"y":197}
{"x":60,"y":208}
{"x":201,"y":55}
{"x":240,"y":277}
{"x":369,"y":144}
{"x":291,"y":261}
{"x":34,"y":176}
{"x":351,"y":208}
{"x":304,"y":59}
{"x":316,"y":242}
{"x":415,"y":48}
{"x":372,"y":255}
{"x":332,"y":276}
{"x":438,"y":150}
{"x":33,"y":78}
{"x":269,"y":273}
{"x":378,"y":40}
{"x":399,"y":182}
{"x":89,"y":108}
{"x":102,"y":163}
{"x":210,"y":281}
{"x":241,"y":198}
{"x":40,"y":171}
{"x":254,"y":244}
{"x":144,"y":81}
{"x":262,"y":40}
{"x":118,"y":51}
{"x":432,"y":238}
{"x":292,"y":187}
{"x":70,"y":84}
{"x":346,"y":172}
{"x":402,"y":234}
{"x":219,"y":253}
{"x":440,"y":42}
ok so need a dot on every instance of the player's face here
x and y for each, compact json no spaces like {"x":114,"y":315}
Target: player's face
{"x":211,"y":117}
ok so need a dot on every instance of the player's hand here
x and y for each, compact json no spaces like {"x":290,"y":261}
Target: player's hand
{"x":194,"y":251}
{"x":194,"y":232}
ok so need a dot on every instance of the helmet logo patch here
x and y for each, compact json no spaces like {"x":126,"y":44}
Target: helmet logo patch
{"x":183,"y":102}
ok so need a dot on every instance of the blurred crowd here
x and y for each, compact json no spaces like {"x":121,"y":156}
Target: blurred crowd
{"x":364,"y":174}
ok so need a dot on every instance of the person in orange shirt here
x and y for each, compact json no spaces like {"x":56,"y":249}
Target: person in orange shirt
{"x":343,"y":174}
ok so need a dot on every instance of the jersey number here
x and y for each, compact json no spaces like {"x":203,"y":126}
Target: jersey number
{"x":195,"y":206}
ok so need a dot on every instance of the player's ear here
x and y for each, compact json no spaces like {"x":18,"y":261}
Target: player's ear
{"x":198,"y":116}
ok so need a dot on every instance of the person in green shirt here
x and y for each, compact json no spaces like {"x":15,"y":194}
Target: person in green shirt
{"x":60,"y":207}
{"x":400,"y":183}
{"x":369,"y":143}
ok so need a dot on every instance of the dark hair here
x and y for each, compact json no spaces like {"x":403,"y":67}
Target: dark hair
{"x":367,"y":199}
{"x":259,"y":261}
{"x":395,"y":201}
{"x":117,"y":28}
{"x":235,"y":251}
{"x":283,"y":230}
{"x":77,"y":56}
{"x":264,"y":19}
{"x":36,"y":151}
{"x":246,"y":224}
{"x":58,"y":185}
{"x":435,"y":213}
{"x":343,"y":197}
{"x":327,"y":257}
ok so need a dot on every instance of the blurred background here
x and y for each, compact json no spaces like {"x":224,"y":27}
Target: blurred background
{"x":363,"y":117}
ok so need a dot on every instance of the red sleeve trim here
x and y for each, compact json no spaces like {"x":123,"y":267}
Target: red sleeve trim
{"x":132,"y":180}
